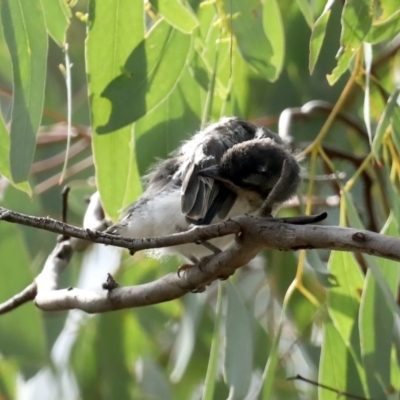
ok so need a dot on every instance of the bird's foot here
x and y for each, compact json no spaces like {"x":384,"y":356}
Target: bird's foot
{"x":184,"y":268}
{"x":110,"y":284}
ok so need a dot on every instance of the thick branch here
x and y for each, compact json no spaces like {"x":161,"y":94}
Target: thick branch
{"x":257,"y":234}
{"x":296,"y":237}
{"x":253,"y":234}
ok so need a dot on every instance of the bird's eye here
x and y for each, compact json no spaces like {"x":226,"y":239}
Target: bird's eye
{"x":262,"y":169}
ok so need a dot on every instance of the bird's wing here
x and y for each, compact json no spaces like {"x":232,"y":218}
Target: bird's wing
{"x":203,"y":198}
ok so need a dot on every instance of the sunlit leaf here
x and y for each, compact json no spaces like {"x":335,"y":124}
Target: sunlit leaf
{"x":25,"y":33}
{"x":57,"y":15}
{"x":253,"y":44}
{"x":273,"y":28}
{"x":306,"y":10}
{"x":385,"y":121}
{"x":356,"y":23}
{"x":367,"y":106}
{"x":385,"y":30}
{"x":177,"y":14}
{"x":337,"y":368}
{"x":344,"y":299}
{"x":162,"y":130}
{"x":4,"y":158}
{"x":110,"y":32}
{"x":149,"y":76}
{"x":27,"y":344}
{"x":376,"y":343}
{"x":318,"y":34}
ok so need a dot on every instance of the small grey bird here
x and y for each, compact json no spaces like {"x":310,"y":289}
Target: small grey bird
{"x":225,"y":170}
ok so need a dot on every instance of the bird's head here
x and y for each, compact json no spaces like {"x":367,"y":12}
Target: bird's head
{"x":256,"y":165}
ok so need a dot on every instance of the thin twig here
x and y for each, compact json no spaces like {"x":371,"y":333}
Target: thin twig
{"x":332,"y":389}
{"x":28,"y":294}
{"x":64,"y":196}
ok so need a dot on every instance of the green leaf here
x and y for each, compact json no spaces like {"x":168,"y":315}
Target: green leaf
{"x":273,"y":28}
{"x":25,"y":33}
{"x":150,"y":74}
{"x":21,"y":331}
{"x":5,"y":161}
{"x":389,"y":7}
{"x":110,"y":32}
{"x":376,"y":343}
{"x":306,"y":10}
{"x":163,"y":129}
{"x":385,"y":30}
{"x":344,"y":58}
{"x":385,"y":121}
{"x":212,"y":367}
{"x":154,"y":384}
{"x":344,"y":299}
{"x":239,"y":345}
{"x":337,"y":368}
{"x":368,"y":56}
{"x":186,"y":336}
{"x":356,"y":23}
{"x":178,"y":15}
{"x":57,"y":15}
{"x":114,"y":376}
{"x":253,"y":44}
{"x":270,"y":367}
{"x":318,"y":34}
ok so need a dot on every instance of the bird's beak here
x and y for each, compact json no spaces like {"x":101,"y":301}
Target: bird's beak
{"x":210,"y":172}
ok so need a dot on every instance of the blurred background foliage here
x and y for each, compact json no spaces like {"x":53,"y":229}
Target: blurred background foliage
{"x":137,"y":78}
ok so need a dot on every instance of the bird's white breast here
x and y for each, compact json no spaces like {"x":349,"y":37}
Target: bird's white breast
{"x":162,"y":215}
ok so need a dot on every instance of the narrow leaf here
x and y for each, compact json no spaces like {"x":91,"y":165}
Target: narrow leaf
{"x":367,"y":106}
{"x":253,"y":44}
{"x":376,"y":343}
{"x":239,"y":345}
{"x":212,"y":366}
{"x":57,"y":15}
{"x":110,"y":32}
{"x":356,"y":23}
{"x":25,"y":33}
{"x":178,"y":15}
{"x":306,"y":10}
{"x":16,"y":340}
{"x":151,"y":72}
{"x":385,"y":30}
{"x":385,"y":121}
{"x":5,"y":160}
{"x":273,"y":28}
{"x":337,"y":368}
{"x":318,"y":34}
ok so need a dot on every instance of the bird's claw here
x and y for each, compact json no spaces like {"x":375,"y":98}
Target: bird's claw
{"x":183,"y":268}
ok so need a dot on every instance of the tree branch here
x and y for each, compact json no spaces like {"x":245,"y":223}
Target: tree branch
{"x":253,"y":234}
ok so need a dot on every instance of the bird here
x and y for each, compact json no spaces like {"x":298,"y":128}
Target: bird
{"x":225,"y":170}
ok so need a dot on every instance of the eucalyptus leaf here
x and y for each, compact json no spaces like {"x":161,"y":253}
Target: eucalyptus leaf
{"x":238,"y":345}
{"x":57,"y":15}
{"x":318,"y":34}
{"x":356,"y":23}
{"x":179,"y":15}
{"x":25,"y":33}
{"x":385,"y":30}
{"x":274,"y":30}
{"x":110,"y":32}
{"x":253,"y":44}
{"x":149,"y":76}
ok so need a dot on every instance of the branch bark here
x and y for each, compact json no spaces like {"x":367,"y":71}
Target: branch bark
{"x":252,"y":235}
